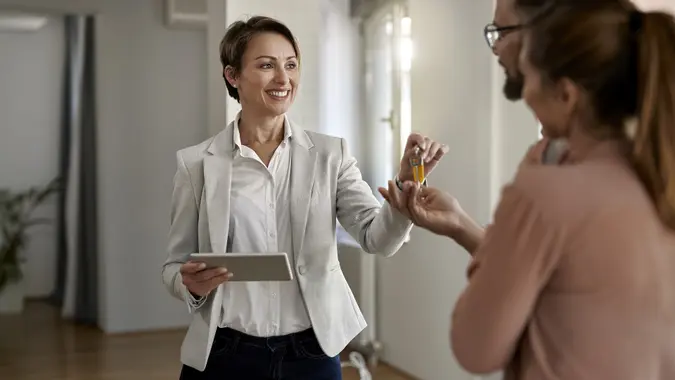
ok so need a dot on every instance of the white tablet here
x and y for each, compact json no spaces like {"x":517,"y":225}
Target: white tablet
{"x":266,"y":266}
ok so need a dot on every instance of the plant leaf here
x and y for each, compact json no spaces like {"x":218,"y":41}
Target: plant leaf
{"x":15,"y":219}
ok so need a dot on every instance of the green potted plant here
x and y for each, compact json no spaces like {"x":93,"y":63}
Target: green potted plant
{"x":16,"y":209}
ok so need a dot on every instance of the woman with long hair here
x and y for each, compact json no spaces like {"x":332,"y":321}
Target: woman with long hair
{"x":575,"y":278}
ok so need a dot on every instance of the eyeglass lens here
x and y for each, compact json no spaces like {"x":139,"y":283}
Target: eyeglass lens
{"x":492,"y":36}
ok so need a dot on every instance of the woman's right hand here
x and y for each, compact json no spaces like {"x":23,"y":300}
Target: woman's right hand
{"x":427,"y":207}
{"x":434,"y":210}
{"x":201,"y":281}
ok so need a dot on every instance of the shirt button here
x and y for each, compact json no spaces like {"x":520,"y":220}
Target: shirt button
{"x":272,"y":206}
{"x":302,"y":269}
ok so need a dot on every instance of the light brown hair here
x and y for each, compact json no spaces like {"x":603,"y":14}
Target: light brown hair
{"x":239,"y":34}
{"x":624,"y":59}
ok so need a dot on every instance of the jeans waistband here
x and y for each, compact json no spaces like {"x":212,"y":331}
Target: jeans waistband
{"x":278,"y":340}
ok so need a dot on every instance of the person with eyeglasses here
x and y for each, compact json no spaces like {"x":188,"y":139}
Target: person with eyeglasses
{"x":504,"y":37}
{"x":575,"y":278}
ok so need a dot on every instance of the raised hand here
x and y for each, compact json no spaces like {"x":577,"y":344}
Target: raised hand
{"x":431,"y":151}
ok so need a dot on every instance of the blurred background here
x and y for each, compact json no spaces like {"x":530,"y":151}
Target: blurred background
{"x":101,"y":93}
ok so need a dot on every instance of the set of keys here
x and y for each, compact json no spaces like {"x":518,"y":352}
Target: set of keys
{"x":417,"y":164}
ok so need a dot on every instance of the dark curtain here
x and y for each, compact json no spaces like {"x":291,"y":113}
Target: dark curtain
{"x":76,"y":289}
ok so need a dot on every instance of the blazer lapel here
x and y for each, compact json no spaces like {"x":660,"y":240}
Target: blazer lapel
{"x":217,"y":183}
{"x":303,"y":163}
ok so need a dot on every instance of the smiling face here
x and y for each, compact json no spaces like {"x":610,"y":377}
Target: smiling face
{"x":269,"y":75}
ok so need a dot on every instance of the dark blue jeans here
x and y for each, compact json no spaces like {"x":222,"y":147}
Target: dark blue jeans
{"x":236,"y":356}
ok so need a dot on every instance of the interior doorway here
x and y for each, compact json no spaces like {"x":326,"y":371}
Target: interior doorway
{"x":388,"y":59}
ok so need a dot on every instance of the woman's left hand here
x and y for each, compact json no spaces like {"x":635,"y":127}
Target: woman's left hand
{"x":432,"y":153}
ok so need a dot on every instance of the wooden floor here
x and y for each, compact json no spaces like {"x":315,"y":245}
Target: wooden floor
{"x":38,"y":345}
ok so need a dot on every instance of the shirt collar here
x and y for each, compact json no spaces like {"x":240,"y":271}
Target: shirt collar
{"x":236,"y":136}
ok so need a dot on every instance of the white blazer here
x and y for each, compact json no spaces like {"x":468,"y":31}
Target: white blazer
{"x":326,"y":185}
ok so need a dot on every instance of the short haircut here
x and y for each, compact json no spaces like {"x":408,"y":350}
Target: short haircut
{"x":239,"y":34}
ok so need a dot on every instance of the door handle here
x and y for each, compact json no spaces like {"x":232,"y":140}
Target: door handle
{"x":389,"y":119}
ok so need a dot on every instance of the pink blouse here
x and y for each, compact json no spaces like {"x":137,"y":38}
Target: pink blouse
{"x":575,"y":279}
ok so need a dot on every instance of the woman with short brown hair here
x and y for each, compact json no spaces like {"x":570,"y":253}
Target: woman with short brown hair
{"x":264,"y":184}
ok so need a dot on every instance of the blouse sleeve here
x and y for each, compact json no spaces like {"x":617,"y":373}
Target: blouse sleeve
{"x":514,"y":262}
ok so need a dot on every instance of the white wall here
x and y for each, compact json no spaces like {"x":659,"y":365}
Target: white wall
{"x":31,"y":72}
{"x":152,"y":102}
{"x":456,"y":100}
{"x":514,"y":128}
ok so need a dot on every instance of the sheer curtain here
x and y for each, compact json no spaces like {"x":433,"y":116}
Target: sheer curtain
{"x":76,"y":290}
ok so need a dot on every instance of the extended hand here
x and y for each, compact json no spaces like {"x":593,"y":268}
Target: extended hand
{"x":427,"y":207}
{"x":201,"y":281}
{"x":432,"y":152}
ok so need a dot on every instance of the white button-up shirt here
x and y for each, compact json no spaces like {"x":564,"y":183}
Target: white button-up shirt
{"x":260,"y":221}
